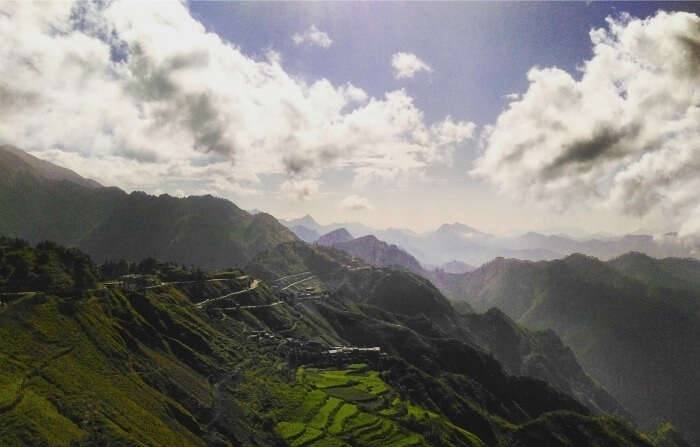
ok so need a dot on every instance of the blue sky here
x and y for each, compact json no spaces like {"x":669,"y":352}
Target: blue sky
{"x":507,"y":116}
{"x":479,"y":51}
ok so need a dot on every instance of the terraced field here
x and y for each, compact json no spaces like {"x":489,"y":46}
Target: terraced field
{"x":354,"y":406}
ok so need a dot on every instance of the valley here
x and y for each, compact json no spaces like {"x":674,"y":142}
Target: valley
{"x":349,"y":224}
{"x":365,"y":345}
{"x":155,"y":340}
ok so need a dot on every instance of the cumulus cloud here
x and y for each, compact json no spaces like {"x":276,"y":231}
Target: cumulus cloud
{"x":355,"y":203}
{"x":406,"y":65}
{"x":313,"y":36}
{"x":623,"y":135}
{"x":146,"y":97}
{"x":301,"y":189}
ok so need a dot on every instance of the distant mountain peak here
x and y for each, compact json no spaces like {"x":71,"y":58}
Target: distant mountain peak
{"x":308,"y":219}
{"x":456,"y":267}
{"x":377,"y":252}
{"x":334,"y":237}
{"x":305,"y":221}
{"x":457,"y":227}
{"x":370,"y":237}
{"x":304,"y":233}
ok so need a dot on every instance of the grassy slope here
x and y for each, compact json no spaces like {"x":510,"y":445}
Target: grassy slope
{"x":142,"y":370}
{"x":120,"y":368}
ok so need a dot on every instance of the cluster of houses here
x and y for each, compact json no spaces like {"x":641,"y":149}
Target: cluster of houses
{"x":299,"y":352}
{"x":261,"y":335}
{"x":339,"y":350}
{"x":296,"y":351}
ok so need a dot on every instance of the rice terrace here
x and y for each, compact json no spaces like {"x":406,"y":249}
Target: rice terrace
{"x":355,"y":406}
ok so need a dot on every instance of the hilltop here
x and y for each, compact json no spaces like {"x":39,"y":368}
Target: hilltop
{"x":334,"y":237}
{"x":41,"y":201}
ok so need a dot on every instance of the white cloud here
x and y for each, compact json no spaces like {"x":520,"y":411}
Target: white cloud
{"x":355,"y":203}
{"x":301,"y":189}
{"x":406,"y":65}
{"x":625,"y":136}
{"x":147,"y":98}
{"x":313,"y":36}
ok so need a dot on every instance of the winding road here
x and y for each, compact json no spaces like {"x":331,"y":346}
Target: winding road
{"x":253,"y":286}
{"x":297,"y":282}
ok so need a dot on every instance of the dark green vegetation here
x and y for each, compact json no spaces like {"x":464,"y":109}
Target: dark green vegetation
{"x":520,"y":351}
{"x":633,"y":323}
{"x":48,"y":267}
{"x":169,"y":355}
{"x":425,"y":311}
{"x":112,"y":366}
{"x":40,"y":201}
{"x":539,"y":354}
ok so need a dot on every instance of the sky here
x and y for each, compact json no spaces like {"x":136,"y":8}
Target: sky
{"x":504,"y":116}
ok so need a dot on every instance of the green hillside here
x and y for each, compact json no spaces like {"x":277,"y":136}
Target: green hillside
{"x":40,"y":201}
{"x":630,"y":322}
{"x":413,"y":302}
{"x":110,"y":364}
{"x":203,"y":231}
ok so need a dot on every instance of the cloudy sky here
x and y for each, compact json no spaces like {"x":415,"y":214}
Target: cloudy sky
{"x":504,"y":116}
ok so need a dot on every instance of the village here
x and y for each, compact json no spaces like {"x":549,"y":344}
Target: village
{"x":295,"y":350}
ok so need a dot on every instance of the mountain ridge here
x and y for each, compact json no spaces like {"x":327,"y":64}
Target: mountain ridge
{"x":461,"y":242}
{"x":108,"y":223}
{"x":176,"y":373}
{"x":628,"y":333}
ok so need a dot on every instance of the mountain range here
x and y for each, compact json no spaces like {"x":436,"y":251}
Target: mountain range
{"x":633,"y":322}
{"x":165,"y":369}
{"x":561,"y":363}
{"x":401,"y":297}
{"x":462,"y":243}
{"x":40,"y":201}
{"x":629,"y":320}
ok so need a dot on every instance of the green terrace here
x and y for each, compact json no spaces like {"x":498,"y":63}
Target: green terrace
{"x":354,"y":406}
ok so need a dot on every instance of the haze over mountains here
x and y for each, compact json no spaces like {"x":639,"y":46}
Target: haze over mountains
{"x":633,"y":322}
{"x":514,"y":258}
{"x":628,"y":320}
{"x":459,"y":242}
